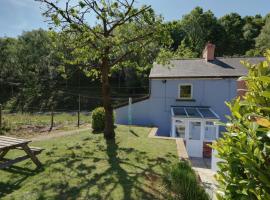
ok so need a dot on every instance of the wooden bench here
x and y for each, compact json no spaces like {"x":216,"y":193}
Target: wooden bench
{"x":10,"y":143}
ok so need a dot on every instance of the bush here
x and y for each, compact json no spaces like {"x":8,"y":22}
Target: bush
{"x":244,"y":172}
{"x":98,"y":119}
{"x":181,"y":182}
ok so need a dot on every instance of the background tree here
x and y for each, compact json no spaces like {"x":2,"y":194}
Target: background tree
{"x":105,"y":43}
{"x":200,"y":27}
{"x":134,"y":71}
{"x":176,"y":32}
{"x":193,"y":31}
{"x":233,"y":25}
{"x":263,"y":40}
{"x":37,"y":64}
{"x":8,"y":64}
{"x":251,"y":30}
{"x":65,"y":68}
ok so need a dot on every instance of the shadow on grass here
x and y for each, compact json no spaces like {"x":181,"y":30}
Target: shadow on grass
{"x":22,"y":173}
{"x":134,"y":133}
{"x":115,"y":167}
{"x":111,"y":172}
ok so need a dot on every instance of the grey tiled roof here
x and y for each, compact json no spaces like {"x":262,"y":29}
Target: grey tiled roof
{"x":199,"y":68}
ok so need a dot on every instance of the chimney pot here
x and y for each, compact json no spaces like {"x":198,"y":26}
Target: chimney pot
{"x":209,"y":52}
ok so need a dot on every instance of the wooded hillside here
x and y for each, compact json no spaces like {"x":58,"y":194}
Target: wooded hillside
{"x":39,"y":69}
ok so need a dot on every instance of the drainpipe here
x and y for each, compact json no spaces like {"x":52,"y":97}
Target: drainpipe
{"x":150,"y":85}
{"x":165,"y":94}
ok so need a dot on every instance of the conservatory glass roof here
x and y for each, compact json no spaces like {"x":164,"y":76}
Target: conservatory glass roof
{"x":194,"y":112}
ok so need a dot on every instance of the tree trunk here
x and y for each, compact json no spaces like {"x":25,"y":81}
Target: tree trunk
{"x":107,"y":104}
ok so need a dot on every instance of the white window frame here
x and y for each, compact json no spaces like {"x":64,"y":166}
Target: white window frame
{"x":214,"y":125}
{"x":183,"y":123}
{"x":179,"y":91}
{"x":186,"y":121}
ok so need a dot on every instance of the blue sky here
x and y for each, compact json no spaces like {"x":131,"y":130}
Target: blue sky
{"x":23,"y":15}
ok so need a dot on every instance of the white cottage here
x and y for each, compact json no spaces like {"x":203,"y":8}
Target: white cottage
{"x":187,"y":99}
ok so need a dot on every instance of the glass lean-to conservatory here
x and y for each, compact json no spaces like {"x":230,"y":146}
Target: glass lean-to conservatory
{"x":195,"y":125}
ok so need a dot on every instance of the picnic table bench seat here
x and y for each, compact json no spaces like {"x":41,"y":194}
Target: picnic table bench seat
{"x":10,"y":143}
{"x":36,"y":150}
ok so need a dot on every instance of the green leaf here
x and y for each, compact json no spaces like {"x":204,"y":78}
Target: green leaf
{"x":55,"y":19}
{"x":264,"y":79}
{"x":266,"y":94}
{"x":82,"y":4}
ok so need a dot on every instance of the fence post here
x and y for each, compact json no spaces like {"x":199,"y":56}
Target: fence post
{"x":79,"y":110}
{"x":52,"y":119}
{"x":1,"y":119}
{"x":130,"y":111}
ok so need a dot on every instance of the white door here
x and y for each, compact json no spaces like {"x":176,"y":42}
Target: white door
{"x":194,"y":140}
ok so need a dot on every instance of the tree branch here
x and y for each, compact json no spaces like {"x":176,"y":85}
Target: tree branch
{"x":125,"y":18}
{"x":65,"y":14}
{"x":120,"y":58}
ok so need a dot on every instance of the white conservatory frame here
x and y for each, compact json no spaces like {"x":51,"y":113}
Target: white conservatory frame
{"x":186,"y":119}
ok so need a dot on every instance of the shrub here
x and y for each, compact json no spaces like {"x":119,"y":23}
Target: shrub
{"x":98,"y":119}
{"x":181,"y":182}
{"x":244,"y":172}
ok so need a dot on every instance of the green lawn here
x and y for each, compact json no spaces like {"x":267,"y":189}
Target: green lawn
{"x":84,"y":166}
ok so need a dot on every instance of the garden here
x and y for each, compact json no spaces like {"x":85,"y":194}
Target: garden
{"x":86,"y":166}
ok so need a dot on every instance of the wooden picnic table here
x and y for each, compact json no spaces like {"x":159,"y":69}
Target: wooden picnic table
{"x":10,"y":143}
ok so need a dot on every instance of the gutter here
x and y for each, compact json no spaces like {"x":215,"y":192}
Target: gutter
{"x":193,"y":77}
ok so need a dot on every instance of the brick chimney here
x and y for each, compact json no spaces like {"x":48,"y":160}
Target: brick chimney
{"x":209,"y":52}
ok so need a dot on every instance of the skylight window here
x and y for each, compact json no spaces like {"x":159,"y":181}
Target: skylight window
{"x":194,"y":112}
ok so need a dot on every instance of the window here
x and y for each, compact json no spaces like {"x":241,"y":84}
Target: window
{"x":180,"y":129}
{"x":185,"y":91}
{"x":210,"y":131}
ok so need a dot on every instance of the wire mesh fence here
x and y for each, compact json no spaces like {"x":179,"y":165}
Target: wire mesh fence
{"x":57,"y":119}
{"x":72,"y":109}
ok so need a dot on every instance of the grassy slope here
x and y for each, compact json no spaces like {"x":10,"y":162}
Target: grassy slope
{"x":24,"y":125}
{"x":85,"y":166}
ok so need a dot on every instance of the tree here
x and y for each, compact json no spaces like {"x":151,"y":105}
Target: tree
{"x":102,"y":39}
{"x":176,"y":32}
{"x":244,"y":172}
{"x":37,"y":65}
{"x":8,"y":67}
{"x":263,"y":40}
{"x":251,"y":30}
{"x":193,"y":31}
{"x":234,"y":41}
{"x":200,"y":27}
{"x":135,"y":69}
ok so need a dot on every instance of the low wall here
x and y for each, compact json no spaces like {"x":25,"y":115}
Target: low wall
{"x":140,"y":114}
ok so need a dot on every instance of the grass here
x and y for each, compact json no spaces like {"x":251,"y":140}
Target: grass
{"x":24,"y":125}
{"x":85,"y":166}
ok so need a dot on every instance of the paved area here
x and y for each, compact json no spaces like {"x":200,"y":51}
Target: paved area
{"x":203,"y":167}
{"x":181,"y":149}
{"x":153,"y":134}
{"x":204,"y":163}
